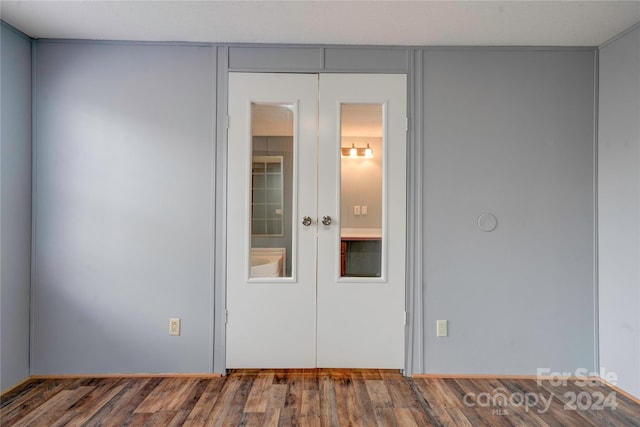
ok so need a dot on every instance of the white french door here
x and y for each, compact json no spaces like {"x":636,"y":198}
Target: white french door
{"x":316,"y":221}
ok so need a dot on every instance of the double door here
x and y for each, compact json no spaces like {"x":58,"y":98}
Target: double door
{"x":316,"y":222}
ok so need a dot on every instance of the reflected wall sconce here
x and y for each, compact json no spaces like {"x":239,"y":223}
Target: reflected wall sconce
{"x":355,"y":152}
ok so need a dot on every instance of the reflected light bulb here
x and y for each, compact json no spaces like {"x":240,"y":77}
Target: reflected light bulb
{"x":368,"y":152}
{"x":353,"y":152}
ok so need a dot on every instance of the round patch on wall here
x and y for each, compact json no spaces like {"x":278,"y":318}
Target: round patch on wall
{"x":487,"y":222}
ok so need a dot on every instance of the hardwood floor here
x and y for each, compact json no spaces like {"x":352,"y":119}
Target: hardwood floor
{"x":324,"y":397}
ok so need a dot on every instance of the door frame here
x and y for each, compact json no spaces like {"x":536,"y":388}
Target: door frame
{"x":312,"y":59}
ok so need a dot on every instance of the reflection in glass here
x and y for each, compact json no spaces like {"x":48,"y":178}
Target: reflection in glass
{"x":271,"y":190}
{"x":361,"y":190}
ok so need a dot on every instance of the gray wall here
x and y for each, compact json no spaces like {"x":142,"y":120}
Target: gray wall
{"x":361,"y":185}
{"x":125,"y":188}
{"x":511,"y":133}
{"x":124,"y":195}
{"x":15,"y":205}
{"x":619,"y":210}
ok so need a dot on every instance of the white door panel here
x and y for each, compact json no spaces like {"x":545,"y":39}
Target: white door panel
{"x":271,"y":320}
{"x":361,"y":319}
{"x":324,"y":308}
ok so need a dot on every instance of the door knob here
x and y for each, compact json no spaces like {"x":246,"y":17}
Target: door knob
{"x":306,"y":221}
{"x":326,"y":220}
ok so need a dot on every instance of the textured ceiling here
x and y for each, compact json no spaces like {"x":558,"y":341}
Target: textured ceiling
{"x":541,"y":23}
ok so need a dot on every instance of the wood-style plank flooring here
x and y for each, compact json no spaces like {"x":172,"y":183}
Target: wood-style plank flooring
{"x":315,"y":397}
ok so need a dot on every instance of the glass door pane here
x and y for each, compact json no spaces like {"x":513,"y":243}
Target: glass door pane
{"x":361,"y":196}
{"x":271,"y":190}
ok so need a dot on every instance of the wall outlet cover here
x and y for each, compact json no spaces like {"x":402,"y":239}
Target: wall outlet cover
{"x":442,"y":328}
{"x":174,"y":326}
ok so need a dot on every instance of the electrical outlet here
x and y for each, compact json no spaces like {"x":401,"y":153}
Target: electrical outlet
{"x":442,"y":328}
{"x":365,"y":210}
{"x":356,"y":210}
{"x":174,"y":326}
